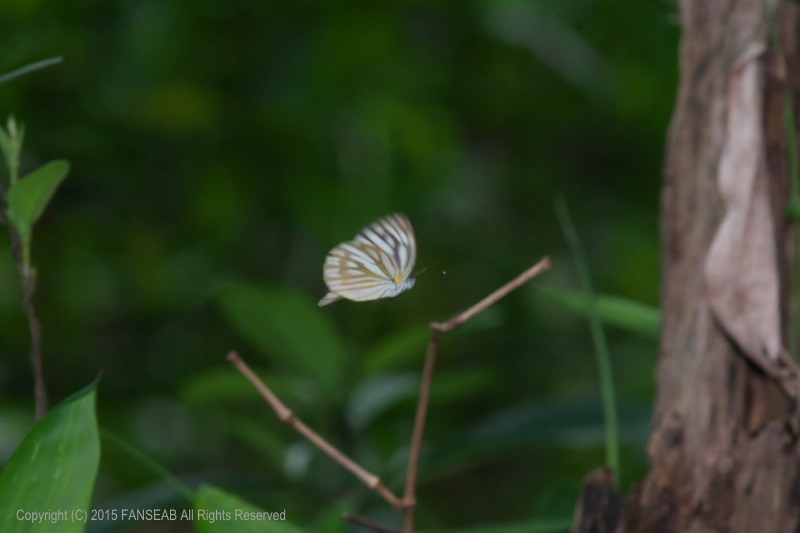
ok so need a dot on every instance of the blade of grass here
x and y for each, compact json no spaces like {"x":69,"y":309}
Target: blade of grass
{"x":150,"y":463}
{"x":598,"y":338}
{"x":30,"y":68}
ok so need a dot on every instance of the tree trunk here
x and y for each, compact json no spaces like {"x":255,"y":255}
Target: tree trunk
{"x":724,"y":448}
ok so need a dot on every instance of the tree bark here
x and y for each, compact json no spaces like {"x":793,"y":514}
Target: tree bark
{"x":725,"y":457}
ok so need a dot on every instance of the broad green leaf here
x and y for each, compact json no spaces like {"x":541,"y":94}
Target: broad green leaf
{"x":216,"y":511}
{"x":289,"y":329}
{"x":54,"y":469}
{"x":613,"y":310}
{"x":29,"y":196}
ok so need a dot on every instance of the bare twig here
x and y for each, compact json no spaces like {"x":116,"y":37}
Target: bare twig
{"x":437,"y":330}
{"x":410,"y":497}
{"x":286,"y":415}
{"x":368,"y":524}
{"x":28,"y":277}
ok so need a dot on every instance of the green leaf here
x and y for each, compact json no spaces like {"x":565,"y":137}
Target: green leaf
{"x":289,"y":329}
{"x":613,"y":310}
{"x":29,"y":196}
{"x":217,"y":511}
{"x":54,"y":469}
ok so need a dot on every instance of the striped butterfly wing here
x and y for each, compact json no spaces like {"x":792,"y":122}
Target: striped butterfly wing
{"x":376,"y":264}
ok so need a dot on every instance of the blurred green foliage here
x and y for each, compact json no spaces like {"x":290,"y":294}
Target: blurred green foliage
{"x":218,"y":150}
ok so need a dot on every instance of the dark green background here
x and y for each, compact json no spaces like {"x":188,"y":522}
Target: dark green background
{"x":220,"y":149}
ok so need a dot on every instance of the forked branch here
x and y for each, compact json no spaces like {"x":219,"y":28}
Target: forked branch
{"x":437,"y":330}
{"x":408,"y":503}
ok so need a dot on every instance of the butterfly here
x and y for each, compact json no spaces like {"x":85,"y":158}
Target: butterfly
{"x":376,"y":264}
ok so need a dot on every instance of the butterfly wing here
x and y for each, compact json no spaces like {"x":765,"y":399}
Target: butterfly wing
{"x":375,"y":264}
{"x":394,"y":236}
{"x":356,"y":271}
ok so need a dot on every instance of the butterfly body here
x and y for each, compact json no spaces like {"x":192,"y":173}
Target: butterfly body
{"x":376,"y":264}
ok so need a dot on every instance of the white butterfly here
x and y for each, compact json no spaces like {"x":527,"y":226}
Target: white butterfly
{"x":376,"y":264}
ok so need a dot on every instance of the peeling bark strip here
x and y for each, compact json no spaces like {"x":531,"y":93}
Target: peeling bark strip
{"x":722,"y":457}
{"x":741,"y":268}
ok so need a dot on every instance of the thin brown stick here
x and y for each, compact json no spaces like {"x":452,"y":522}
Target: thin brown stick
{"x":368,"y":524}
{"x":409,"y":497}
{"x":28,"y":278}
{"x":37,"y":362}
{"x":286,"y":415}
{"x":437,"y":330}
{"x":458,"y":320}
